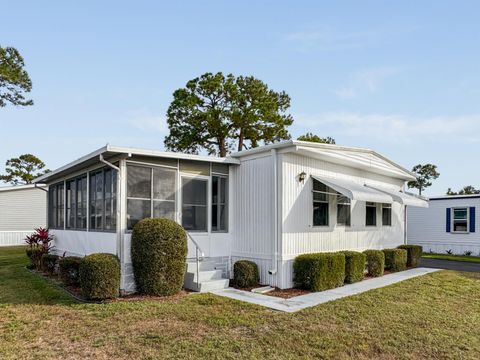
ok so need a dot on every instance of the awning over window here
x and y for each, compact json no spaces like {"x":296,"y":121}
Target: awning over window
{"x":402,"y":197}
{"x":355,"y":191}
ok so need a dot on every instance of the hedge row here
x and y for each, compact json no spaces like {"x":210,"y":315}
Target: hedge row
{"x":322,"y":271}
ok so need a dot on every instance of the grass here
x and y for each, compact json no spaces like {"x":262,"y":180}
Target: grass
{"x":430,"y":317}
{"x":474,"y":259}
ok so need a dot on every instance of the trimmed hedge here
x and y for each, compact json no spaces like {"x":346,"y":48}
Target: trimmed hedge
{"x":320,"y":271}
{"x":49,"y":263}
{"x":375,"y":260}
{"x":100,"y":276}
{"x":159,"y":252}
{"x":68,"y":268}
{"x":245,"y":274}
{"x":414,"y":253}
{"x":395,"y":259}
{"x":354,"y":266}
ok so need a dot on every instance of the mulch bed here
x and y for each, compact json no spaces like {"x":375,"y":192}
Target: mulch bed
{"x":287,"y":293}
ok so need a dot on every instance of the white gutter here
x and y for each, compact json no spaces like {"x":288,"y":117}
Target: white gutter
{"x":275,"y":212}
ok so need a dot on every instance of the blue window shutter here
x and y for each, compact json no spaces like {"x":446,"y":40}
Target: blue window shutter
{"x":472,"y":219}
{"x":449,"y":219}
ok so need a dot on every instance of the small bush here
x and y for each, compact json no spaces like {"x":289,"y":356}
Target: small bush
{"x":395,"y":259}
{"x":354,"y":266}
{"x":68,"y":268}
{"x":414,"y":253}
{"x":320,"y":271}
{"x":49,"y":263}
{"x":35,"y":253}
{"x":159,"y":252}
{"x":100,"y":276}
{"x":375,"y":262}
{"x":245,"y":274}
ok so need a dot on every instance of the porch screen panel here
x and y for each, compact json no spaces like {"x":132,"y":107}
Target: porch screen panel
{"x":71,"y":194}
{"x":219,"y":203}
{"x":139,"y":194}
{"x":81,"y":212}
{"x":60,"y":206}
{"x":164,"y":184}
{"x":194,"y":204}
{"x":110,"y":198}
{"x":52,"y":207}
{"x":96,"y":200}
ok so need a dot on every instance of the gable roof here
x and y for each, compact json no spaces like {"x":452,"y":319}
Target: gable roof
{"x":365,"y":159}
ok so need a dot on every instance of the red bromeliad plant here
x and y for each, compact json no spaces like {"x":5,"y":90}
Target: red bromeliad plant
{"x":39,"y":243}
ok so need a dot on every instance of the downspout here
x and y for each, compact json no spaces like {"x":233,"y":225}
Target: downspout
{"x":119,"y":202}
{"x":405,"y":240}
{"x":275,"y":212}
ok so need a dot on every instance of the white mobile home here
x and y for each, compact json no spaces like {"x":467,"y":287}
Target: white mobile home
{"x":449,"y":224}
{"x":267,"y":205}
{"x":22,"y":209}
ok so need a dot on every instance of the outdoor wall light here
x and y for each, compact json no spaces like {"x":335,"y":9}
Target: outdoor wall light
{"x":302,"y":176}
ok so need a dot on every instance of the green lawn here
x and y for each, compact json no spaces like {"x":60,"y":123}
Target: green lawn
{"x":475,"y":259}
{"x":436,"y":316}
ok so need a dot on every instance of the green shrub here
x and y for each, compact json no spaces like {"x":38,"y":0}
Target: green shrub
{"x":375,"y":262}
{"x":68,"y":268}
{"x":49,"y":263}
{"x":395,"y":259}
{"x":414,"y":253}
{"x":159,"y":251}
{"x":320,"y":271}
{"x":35,"y":254}
{"x":100,"y":276}
{"x":245,"y":274}
{"x":354,"y":266}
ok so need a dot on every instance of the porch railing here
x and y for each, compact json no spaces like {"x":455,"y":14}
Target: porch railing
{"x":199,"y":256}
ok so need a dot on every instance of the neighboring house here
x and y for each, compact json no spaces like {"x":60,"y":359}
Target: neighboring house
{"x":448,"y":224}
{"x":268,"y":205}
{"x":22,"y":208}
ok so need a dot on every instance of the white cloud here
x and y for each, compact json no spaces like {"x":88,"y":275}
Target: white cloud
{"x":145,"y":121}
{"x":366,"y":82}
{"x":329,"y":40}
{"x":394,"y":128}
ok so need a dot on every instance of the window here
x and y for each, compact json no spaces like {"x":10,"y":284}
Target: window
{"x":219,"y":203}
{"x":460,"y":220}
{"x":320,"y":204}
{"x":371,"y":214}
{"x":194,"y":204}
{"x":343,"y":210}
{"x":56,"y":206}
{"x":387,"y":214}
{"x":81,"y":202}
{"x":150,"y":190}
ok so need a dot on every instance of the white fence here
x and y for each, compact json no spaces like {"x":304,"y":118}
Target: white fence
{"x":10,"y":238}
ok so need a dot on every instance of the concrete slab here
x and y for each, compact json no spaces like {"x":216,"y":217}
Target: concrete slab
{"x":305,"y":301}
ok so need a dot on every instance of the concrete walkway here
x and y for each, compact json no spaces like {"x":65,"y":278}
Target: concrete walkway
{"x":305,"y":301}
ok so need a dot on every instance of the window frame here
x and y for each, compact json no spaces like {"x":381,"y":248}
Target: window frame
{"x":313,"y":202}
{"x":151,"y":167}
{"x":55,"y":208}
{"x":386,"y":206}
{"x":113,"y":198}
{"x":348,"y":204}
{"x":207,"y":180}
{"x":467,"y":209}
{"x":368,"y":205}
{"x":218,"y":204}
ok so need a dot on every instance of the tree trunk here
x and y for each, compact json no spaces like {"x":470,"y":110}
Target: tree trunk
{"x":221,"y":147}
{"x":240,"y":141}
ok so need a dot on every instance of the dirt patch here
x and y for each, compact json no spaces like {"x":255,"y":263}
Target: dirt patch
{"x":287,"y":293}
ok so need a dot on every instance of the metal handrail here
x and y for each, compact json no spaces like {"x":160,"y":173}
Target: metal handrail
{"x":198,"y":258}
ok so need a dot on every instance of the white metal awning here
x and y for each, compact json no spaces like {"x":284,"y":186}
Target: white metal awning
{"x":402,"y":197}
{"x":355,"y":191}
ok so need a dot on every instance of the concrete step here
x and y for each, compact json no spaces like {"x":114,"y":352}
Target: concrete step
{"x":213,"y":285}
{"x":203,"y":275}
{"x":204,"y":265}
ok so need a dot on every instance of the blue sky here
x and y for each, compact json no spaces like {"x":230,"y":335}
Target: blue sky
{"x":398,"y":77}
